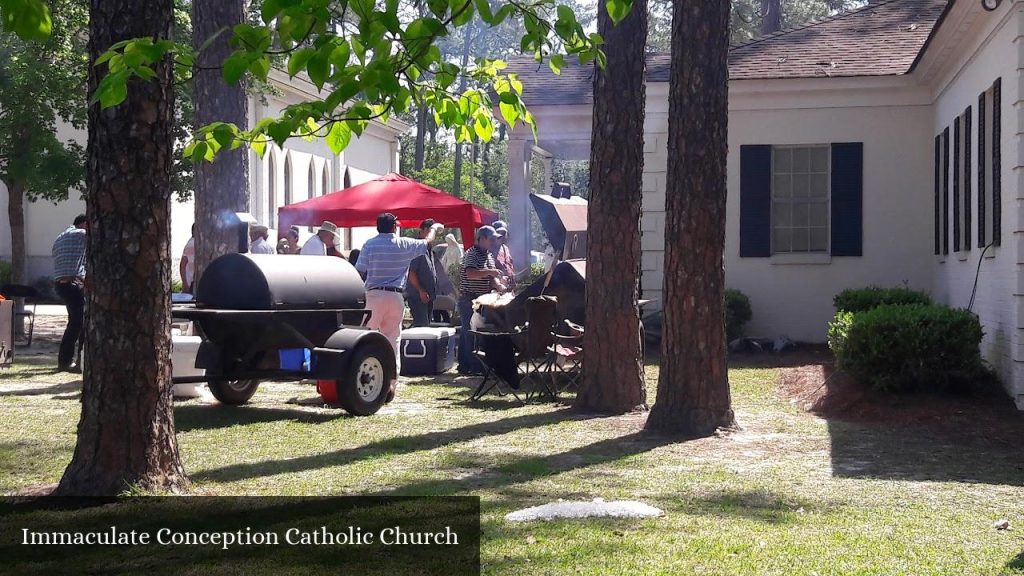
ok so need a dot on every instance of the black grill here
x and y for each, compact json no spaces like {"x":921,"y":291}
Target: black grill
{"x":278,"y":282}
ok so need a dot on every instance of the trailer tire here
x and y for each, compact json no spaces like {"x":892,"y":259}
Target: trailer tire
{"x":367,"y":380}
{"x":234,"y":392}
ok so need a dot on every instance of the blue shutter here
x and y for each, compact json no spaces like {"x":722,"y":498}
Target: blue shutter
{"x":847,"y":199}
{"x":755,"y":201}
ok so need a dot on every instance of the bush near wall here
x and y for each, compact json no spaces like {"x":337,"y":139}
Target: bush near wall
{"x":864,"y":299}
{"x":910,"y":347}
{"x":5,"y":272}
{"x":737,"y":313}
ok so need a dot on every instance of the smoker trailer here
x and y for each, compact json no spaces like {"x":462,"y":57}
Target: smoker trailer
{"x":281,"y":318}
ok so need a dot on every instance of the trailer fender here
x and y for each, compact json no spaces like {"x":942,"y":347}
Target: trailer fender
{"x":330,"y":361}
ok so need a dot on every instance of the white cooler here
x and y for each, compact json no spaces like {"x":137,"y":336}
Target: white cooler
{"x":183,"y":362}
{"x":427,"y":351}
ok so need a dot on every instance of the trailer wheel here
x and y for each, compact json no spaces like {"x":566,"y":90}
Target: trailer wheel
{"x":365,"y":387}
{"x":233,"y":391}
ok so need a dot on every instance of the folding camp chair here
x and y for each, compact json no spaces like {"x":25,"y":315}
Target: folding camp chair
{"x":535,"y":339}
{"x":497,"y":353}
{"x":28,"y":293}
{"x":566,"y":357}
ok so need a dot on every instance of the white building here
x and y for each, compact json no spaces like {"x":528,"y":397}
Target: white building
{"x":297,"y":172}
{"x":884,"y":147}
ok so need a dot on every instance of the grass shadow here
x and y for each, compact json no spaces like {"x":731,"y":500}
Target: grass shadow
{"x":1017,"y":563}
{"x":391,"y":446}
{"x":188,"y":417}
{"x":73,"y":386}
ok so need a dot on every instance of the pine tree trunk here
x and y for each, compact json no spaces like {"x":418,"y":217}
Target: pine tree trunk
{"x":693,"y":388}
{"x":126,"y":431}
{"x":613,"y":365}
{"x":421,"y":137}
{"x":771,"y":16}
{"x":467,"y":44}
{"x":221,"y":187}
{"x":16,"y":216}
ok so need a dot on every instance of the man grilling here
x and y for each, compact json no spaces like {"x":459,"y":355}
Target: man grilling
{"x":421,"y":287}
{"x":383,"y":263}
{"x":478,"y":275}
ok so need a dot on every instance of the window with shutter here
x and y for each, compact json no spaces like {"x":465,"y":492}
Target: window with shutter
{"x":945,"y":191}
{"x":997,"y":192}
{"x":803,"y":199}
{"x":957,"y":144}
{"x":938,"y":194}
{"x":968,"y":143}
{"x":983,"y":137}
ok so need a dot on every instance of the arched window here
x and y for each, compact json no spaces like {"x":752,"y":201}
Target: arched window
{"x":287,"y":179}
{"x":325,"y":181}
{"x":310,"y":181}
{"x":271,"y":189}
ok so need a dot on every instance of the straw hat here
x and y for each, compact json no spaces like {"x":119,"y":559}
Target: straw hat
{"x":330,"y":227}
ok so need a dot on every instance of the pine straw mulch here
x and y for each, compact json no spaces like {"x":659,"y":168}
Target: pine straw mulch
{"x":809,"y":380}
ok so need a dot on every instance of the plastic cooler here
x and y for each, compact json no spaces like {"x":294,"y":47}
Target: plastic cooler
{"x":427,"y":351}
{"x":183,"y":363}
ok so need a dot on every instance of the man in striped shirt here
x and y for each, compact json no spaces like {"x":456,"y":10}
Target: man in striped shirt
{"x":475,"y":280}
{"x":383,"y":263}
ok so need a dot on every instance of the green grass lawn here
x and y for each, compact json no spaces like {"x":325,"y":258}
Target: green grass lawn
{"x":788,"y":493}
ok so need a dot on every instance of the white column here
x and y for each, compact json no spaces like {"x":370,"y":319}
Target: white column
{"x":519,"y":154}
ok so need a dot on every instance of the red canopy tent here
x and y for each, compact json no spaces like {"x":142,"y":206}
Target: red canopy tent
{"x":407,"y":199}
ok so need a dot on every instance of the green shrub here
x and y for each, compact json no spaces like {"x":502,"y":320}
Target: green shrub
{"x":863,"y":299}
{"x":908,"y":347}
{"x":176,"y":285}
{"x":5,"y":272}
{"x":737,"y":313}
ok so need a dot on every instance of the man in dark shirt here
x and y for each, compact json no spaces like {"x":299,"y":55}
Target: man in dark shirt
{"x":421,"y":289}
{"x":69,"y":280}
{"x":478,"y":271}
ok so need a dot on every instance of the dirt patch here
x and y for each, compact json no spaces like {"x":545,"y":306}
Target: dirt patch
{"x":808,"y":379}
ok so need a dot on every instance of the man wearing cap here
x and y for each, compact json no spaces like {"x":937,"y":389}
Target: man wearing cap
{"x":326,"y":238}
{"x":421,"y":287}
{"x":383,"y":263}
{"x":478,"y":274}
{"x":258,"y":235}
{"x":503,"y":254}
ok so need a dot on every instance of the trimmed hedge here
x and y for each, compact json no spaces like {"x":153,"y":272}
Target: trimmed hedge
{"x":864,"y":299}
{"x":913,"y":347}
{"x":737,"y":313}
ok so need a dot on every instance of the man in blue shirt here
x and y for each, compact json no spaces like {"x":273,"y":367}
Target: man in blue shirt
{"x":383,"y":263}
{"x":69,"y":280}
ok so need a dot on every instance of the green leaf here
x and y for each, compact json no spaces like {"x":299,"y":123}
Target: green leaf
{"x":29,"y":19}
{"x":339,"y":137}
{"x":319,"y":68}
{"x":510,"y":113}
{"x":260,"y":67}
{"x":618,"y":9}
{"x":112,"y":90}
{"x":556,"y":62}
{"x":298,"y":60}
{"x":235,"y":66}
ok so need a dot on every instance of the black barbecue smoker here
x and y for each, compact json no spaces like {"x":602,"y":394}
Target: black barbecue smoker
{"x":287,"y":318}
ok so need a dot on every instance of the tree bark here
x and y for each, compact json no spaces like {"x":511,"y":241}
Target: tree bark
{"x":613,"y":365}
{"x":693,"y":388}
{"x":222,"y":186}
{"x":421,"y":137}
{"x":126,"y":431}
{"x":16,"y":216}
{"x":771,"y":16}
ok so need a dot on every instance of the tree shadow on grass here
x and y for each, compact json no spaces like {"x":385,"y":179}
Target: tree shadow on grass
{"x":530,"y":468}
{"x":396,"y":445}
{"x":66,"y":387}
{"x":190,"y":417}
{"x":1017,"y":563}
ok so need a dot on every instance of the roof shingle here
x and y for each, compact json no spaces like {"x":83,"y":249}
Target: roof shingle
{"x":881,"y":39}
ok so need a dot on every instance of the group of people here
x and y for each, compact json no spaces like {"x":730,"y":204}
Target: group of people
{"x":399,"y":269}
